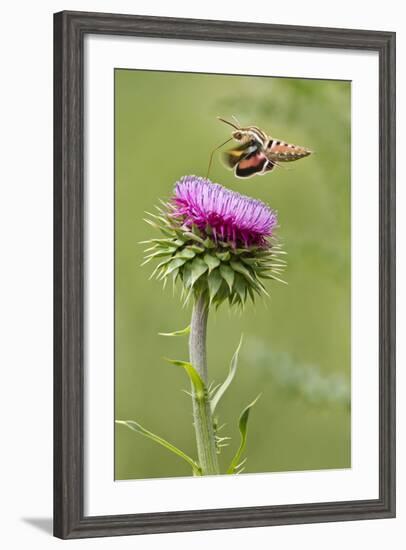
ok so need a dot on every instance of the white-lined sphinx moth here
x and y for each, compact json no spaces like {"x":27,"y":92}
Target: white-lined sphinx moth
{"x":258,"y":153}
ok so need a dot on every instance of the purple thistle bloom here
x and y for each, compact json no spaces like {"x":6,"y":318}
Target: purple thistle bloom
{"x":232,"y":217}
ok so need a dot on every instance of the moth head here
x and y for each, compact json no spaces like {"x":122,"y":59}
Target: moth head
{"x":238,"y":135}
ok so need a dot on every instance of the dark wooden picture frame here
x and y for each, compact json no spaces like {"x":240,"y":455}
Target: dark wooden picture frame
{"x":70,"y":29}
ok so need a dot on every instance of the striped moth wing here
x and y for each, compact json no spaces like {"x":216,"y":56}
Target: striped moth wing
{"x":255,"y":163}
{"x":248,"y":160}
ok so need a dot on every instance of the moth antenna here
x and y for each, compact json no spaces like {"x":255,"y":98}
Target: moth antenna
{"x":237,"y":121}
{"x":212,"y":155}
{"x":229,"y":123}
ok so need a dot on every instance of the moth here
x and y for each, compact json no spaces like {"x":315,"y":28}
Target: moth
{"x":257,"y":152}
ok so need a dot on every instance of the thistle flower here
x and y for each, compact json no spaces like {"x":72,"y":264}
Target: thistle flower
{"x":229,"y":216}
{"x":216,"y":241}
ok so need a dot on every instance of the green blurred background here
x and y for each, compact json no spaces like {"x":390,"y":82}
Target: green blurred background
{"x":296,"y":347}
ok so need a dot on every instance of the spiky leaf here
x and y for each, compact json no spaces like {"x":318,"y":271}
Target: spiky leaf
{"x":195,"y":378}
{"x":197,"y":267}
{"x":193,"y":237}
{"x":242,"y":424}
{"x":240,"y":287}
{"x":186,"y":254}
{"x":240,"y":268}
{"x":211,"y":261}
{"x":214,"y":281}
{"x":174,"y":264}
{"x":223,"y":256}
{"x":231,"y":373}
{"x":228,"y":275}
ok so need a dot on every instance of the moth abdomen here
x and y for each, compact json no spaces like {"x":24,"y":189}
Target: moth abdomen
{"x":282,"y":151}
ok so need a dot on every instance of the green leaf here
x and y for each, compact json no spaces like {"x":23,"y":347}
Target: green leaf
{"x":251,"y":293}
{"x":186,"y":254}
{"x":208,"y":243}
{"x":269,"y":276}
{"x":221,"y":295}
{"x":151,"y":223}
{"x":197,"y":383}
{"x":239,"y":251}
{"x":223,"y":256}
{"x":267,"y":253}
{"x":167,"y":231}
{"x":158,"y":254}
{"x":192,"y":236}
{"x":231,"y":373}
{"x":178,"y":242}
{"x":211,"y":261}
{"x":175,"y":264}
{"x":271,"y":263}
{"x":197,"y":267}
{"x":240,"y":287}
{"x":240,"y":268}
{"x":242,"y":424}
{"x":195,"y":248}
{"x":214,"y":281}
{"x":196,"y":230}
{"x":175,"y":275}
{"x":150,"y":435}
{"x":249,"y":261}
{"x":161,"y":266}
{"x":161,"y":242}
{"x":183,"y":332}
{"x":228,"y":275}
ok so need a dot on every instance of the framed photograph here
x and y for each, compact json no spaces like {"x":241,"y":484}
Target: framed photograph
{"x":224,"y":275}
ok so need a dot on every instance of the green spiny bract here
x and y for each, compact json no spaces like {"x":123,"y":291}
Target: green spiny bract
{"x":204,"y":265}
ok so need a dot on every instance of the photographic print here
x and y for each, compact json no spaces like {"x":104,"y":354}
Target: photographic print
{"x":232,"y":274}
{"x":224,"y":269}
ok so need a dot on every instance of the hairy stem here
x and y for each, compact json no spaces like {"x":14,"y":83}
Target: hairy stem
{"x":203,"y":420}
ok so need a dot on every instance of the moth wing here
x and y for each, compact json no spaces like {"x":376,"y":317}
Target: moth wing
{"x":233,"y":156}
{"x":251,"y":165}
{"x":268,"y":167}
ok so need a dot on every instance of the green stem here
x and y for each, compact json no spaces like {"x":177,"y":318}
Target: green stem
{"x":203,"y":420}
